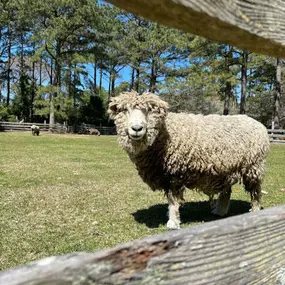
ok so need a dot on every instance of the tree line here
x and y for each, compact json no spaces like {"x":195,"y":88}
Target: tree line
{"x":55,"y":54}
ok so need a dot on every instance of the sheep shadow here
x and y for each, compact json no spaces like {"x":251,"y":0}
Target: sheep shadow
{"x":191,"y":212}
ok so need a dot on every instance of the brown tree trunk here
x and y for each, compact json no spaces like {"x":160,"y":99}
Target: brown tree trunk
{"x":109,"y":88}
{"x":132,"y":79}
{"x":51,"y":110}
{"x":9,"y":67}
{"x":33,"y":93}
{"x":113,"y":79}
{"x":69,"y":83}
{"x":277,"y":95}
{"x":40,"y":79}
{"x":56,"y":84}
{"x":228,"y":87}
{"x":100,"y":81}
{"x":243,"y":82}
{"x":153,"y":76}
{"x":95,"y":76}
{"x":73,"y":81}
{"x":228,"y":93}
{"x":51,"y":97}
{"x":137,"y":82}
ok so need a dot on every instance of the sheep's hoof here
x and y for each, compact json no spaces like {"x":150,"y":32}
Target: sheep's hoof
{"x":255,"y":206}
{"x":255,"y":209}
{"x":171,"y":225}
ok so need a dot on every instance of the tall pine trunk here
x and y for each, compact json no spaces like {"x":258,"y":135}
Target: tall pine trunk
{"x":9,"y":66}
{"x":51,"y":97}
{"x":243,"y":82}
{"x":40,"y":79}
{"x":228,"y":87}
{"x":33,"y":93}
{"x":100,"y":80}
{"x":69,"y":83}
{"x":277,"y":95}
{"x":56,"y":84}
{"x":109,"y":88}
{"x":228,"y":93}
{"x":153,"y":76}
{"x":23,"y":90}
{"x":137,"y":80}
{"x":95,"y":76}
{"x":74,"y":83}
{"x":132,"y":79}
{"x":113,"y":79}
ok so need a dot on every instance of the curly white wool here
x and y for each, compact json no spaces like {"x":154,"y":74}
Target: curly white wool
{"x":207,"y":153}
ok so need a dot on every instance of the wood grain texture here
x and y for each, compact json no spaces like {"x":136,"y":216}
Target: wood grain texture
{"x":245,"y":249}
{"x":255,"y":25}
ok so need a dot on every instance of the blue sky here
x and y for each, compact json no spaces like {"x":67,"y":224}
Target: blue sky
{"x":124,"y":75}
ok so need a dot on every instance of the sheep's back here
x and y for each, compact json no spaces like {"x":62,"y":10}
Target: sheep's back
{"x":214,"y":143}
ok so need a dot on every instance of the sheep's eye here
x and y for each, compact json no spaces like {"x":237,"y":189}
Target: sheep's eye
{"x":121,"y":110}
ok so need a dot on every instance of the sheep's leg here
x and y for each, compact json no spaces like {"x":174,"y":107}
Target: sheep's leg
{"x":252,"y":184}
{"x":212,"y":202}
{"x":181,"y":196}
{"x":254,"y":188}
{"x":223,"y":203}
{"x":173,"y":209}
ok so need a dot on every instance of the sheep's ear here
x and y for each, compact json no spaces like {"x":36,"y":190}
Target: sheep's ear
{"x":113,"y":108}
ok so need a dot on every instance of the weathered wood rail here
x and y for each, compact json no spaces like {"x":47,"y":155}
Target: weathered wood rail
{"x":255,"y":25}
{"x":277,"y":135}
{"x":245,"y":249}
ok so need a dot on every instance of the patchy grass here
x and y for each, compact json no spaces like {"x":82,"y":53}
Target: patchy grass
{"x":64,"y":193}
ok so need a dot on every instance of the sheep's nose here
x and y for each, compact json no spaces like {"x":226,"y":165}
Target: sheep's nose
{"x":137,"y":128}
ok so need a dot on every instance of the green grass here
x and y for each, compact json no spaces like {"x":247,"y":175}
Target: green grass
{"x":64,"y":193}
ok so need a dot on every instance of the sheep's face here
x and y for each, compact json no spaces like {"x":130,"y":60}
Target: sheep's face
{"x":136,"y":123}
{"x":138,"y":119}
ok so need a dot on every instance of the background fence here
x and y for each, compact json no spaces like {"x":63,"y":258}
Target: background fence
{"x":57,"y":128}
{"x":276,"y":136}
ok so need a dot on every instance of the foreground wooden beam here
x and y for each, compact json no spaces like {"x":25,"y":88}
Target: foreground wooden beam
{"x":245,"y":249}
{"x":255,"y":25}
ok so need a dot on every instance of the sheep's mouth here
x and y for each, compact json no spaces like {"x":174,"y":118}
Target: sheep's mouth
{"x":136,"y":137}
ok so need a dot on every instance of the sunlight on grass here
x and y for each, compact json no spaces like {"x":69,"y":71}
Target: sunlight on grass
{"x":64,"y":193}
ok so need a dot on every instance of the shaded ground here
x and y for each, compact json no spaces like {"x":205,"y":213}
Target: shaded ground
{"x":191,"y":212}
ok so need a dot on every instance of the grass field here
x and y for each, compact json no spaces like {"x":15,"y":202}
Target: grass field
{"x":64,"y":193}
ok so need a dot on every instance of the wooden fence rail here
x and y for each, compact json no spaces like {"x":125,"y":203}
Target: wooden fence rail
{"x":245,"y":249}
{"x":254,"y":25}
{"x":24,"y":127}
{"x":58,"y":128}
{"x":277,"y":135}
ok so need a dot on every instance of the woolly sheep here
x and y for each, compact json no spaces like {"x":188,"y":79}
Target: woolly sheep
{"x":35,"y":130}
{"x":94,"y":132}
{"x":174,"y":151}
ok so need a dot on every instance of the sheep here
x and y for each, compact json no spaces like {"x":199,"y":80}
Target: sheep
{"x":174,"y":151}
{"x":94,"y":132}
{"x":35,"y":130}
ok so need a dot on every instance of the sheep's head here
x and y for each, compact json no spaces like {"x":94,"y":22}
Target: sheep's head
{"x":138,"y":119}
